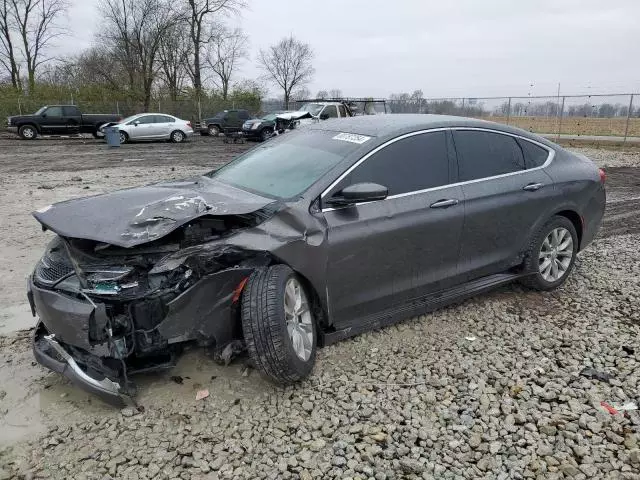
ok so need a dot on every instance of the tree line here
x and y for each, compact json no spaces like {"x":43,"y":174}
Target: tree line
{"x":145,"y":49}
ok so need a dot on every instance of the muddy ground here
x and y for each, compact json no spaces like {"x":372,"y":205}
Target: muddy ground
{"x":34,"y":174}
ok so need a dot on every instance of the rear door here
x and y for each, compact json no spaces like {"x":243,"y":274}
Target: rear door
{"x":386,"y":253}
{"x":503,"y":200}
{"x":73,"y":118}
{"x":164,"y":125}
{"x":232,"y":121}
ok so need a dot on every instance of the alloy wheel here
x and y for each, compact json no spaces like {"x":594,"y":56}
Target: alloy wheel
{"x":556,"y":253}
{"x":298,"y":319}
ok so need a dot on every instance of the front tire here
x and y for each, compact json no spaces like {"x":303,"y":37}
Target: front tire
{"x":278,"y":324}
{"x":28,"y":132}
{"x":265,"y":134}
{"x":124,"y":138}
{"x":551,"y":254}
{"x":214,"y":130}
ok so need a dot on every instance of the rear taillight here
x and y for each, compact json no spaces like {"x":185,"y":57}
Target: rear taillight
{"x":603,"y":175}
{"x":189,"y":124}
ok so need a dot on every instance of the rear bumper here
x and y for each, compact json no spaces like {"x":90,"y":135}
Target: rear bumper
{"x":53,"y":355}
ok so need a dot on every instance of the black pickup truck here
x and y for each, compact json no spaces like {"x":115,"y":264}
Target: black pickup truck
{"x":58,"y":120}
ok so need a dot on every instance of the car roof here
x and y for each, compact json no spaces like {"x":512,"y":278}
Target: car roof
{"x":400,"y":123}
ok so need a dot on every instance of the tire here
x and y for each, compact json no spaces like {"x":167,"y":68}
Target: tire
{"x":265,"y":327}
{"x":214,"y":130}
{"x":177,"y":136}
{"x":544,"y":247}
{"x":28,"y":132}
{"x":265,"y":134}
{"x":124,"y":138}
{"x":97,"y":134}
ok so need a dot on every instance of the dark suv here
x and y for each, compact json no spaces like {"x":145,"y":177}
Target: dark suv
{"x":227,"y":121}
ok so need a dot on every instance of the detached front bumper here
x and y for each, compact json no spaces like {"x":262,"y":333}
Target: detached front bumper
{"x":51,"y":354}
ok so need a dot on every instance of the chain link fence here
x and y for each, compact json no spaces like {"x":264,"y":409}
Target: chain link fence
{"x":193,"y":110}
{"x":601,"y":115}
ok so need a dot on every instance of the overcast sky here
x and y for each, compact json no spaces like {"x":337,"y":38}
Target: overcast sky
{"x":444,"y":48}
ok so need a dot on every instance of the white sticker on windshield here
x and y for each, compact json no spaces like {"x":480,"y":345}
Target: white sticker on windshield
{"x":352,"y":137}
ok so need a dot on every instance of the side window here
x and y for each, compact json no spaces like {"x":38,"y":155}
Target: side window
{"x":71,"y":111}
{"x":232,"y":115}
{"x":163,"y":119}
{"x":343,"y":111}
{"x":330,"y":111}
{"x":486,"y":154}
{"x":143,"y":120}
{"x":244,"y":115}
{"x":54,"y":112}
{"x":534,"y":156}
{"x":414,"y":163}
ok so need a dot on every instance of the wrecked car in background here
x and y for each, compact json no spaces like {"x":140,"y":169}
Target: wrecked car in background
{"x":312,"y":237}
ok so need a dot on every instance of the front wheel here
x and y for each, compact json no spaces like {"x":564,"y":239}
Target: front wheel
{"x":28,"y":132}
{"x":177,"y":136}
{"x":214,"y":130}
{"x":265,"y":134}
{"x":124,"y":138}
{"x":278,"y":324}
{"x":551,"y":254}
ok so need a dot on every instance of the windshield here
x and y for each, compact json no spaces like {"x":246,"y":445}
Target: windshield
{"x":313,"y":108}
{"x":40,"y":111}
{"x":286,"y":166}
{"x":269,"y":118}
{"x":129,"y":119}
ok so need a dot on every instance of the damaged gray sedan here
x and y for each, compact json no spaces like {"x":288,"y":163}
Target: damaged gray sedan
{"x":313,"y":237}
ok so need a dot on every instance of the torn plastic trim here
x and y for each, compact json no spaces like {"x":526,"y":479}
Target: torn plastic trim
{"x":105,"y":388}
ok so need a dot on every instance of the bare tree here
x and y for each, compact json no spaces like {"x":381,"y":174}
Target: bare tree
{"x":8,"y":58}
{"x":200,"y":14}
{"x":288,"y":64}
{"x":134,"y":31}
{"x":322,"y":94}
{"x":36,"y":23}
{"x":226,"y":49}
{"x":174,"y":56}
{"x":335,"y":93}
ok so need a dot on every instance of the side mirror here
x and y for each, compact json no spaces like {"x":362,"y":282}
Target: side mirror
{"x":358,"y":193}
{"x":44,"y":115}
{"x":324,"y":116}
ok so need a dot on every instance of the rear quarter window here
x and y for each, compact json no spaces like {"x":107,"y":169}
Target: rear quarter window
{"x":534,"y":155}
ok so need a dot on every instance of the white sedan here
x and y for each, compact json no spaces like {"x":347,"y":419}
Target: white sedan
{"x":153,"y":126}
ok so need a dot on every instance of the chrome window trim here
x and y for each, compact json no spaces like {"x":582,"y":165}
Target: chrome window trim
{"x":550,"y":157}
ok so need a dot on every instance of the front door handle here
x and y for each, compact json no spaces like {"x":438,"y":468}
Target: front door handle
{"x":532,"y":187}
{"x":445,"y":203}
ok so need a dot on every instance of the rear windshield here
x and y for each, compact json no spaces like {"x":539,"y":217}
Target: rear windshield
{"x":286,"y":166}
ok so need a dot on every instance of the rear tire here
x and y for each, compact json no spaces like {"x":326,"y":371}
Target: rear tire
{"x":28,"y":132}
{"x":177,"y":136}
{"x":280,"y":332}
{"x":551,"y":254}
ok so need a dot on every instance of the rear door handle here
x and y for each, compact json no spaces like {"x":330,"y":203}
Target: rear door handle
{"x":445,"y":203}
{"x":532,"y":187}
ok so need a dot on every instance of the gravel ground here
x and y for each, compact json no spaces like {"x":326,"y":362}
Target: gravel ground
{"x":490,"y":388}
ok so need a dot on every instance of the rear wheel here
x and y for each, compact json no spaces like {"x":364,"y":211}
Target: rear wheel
{"x":214,"y":130}
{"x":551,"y":254}
{"x":28,"y":132}
{"x":177,"y":136}
{"x":278,"y":324}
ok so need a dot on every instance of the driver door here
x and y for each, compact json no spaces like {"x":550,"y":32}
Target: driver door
{"x":387,"y":253}
{"x":144,"y":128}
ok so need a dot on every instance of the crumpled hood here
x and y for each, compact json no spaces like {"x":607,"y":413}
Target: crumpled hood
{"x":134,"y":216}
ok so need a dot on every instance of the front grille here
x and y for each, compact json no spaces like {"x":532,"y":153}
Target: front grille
{"x":49,"y":271}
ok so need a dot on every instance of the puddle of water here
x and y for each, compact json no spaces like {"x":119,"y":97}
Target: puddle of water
{"x":16,"y":318}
